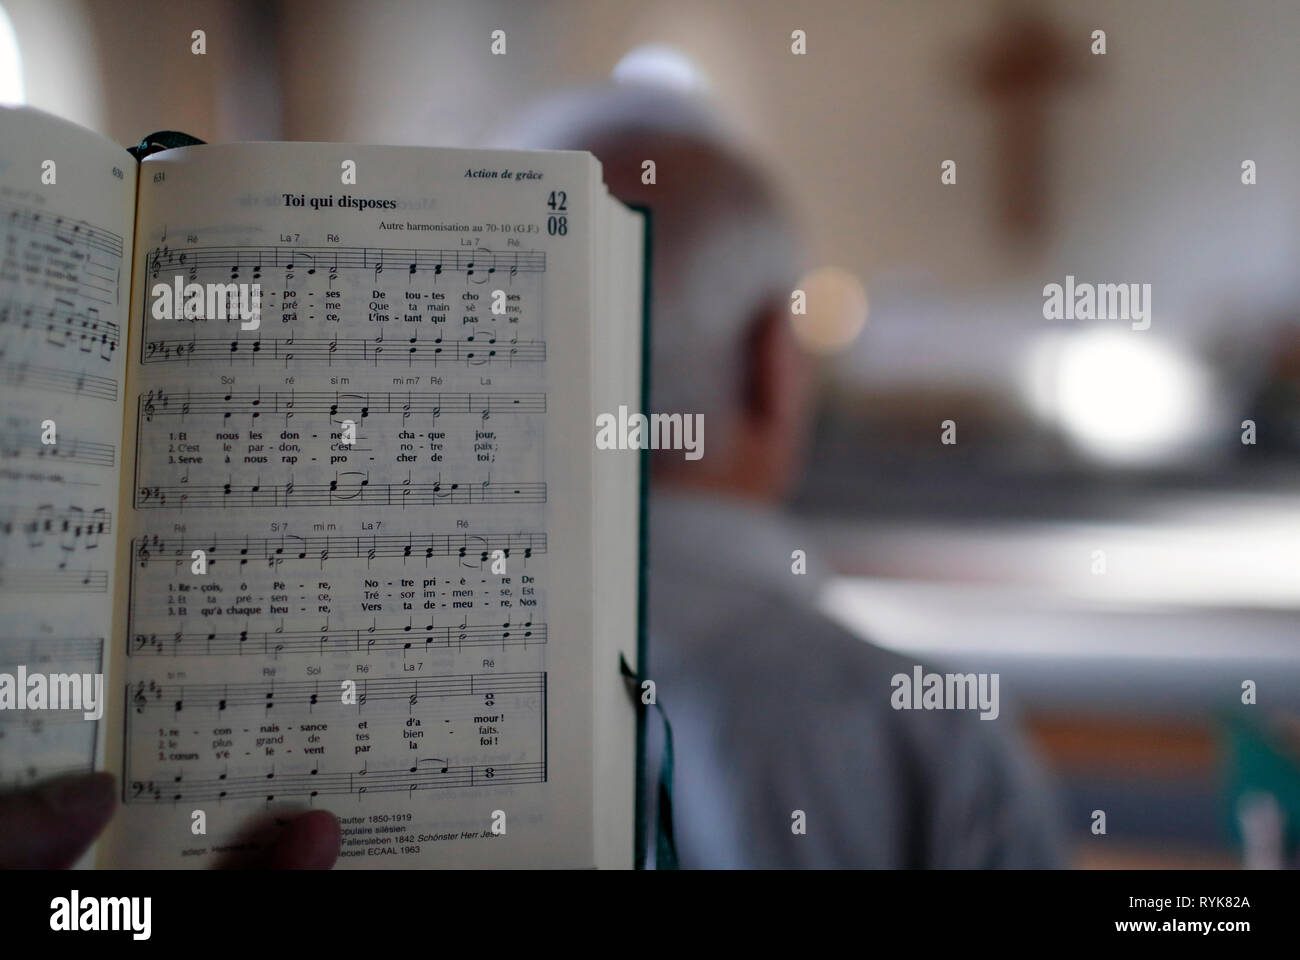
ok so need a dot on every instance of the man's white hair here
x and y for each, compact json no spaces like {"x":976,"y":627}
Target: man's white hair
{"x":724,"y":246}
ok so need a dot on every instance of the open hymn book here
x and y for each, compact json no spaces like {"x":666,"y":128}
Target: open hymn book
{"x":346,"y":546}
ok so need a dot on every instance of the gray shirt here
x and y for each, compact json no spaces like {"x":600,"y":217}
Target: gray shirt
{"x":777,"y":709}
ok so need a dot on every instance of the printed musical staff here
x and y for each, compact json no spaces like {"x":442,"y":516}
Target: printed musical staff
{"x":61,"y":381}
{"x":74,"y":527}
{"x":15,"y":445}
{"x":69,"y":650}
{"x":83,"y":257}
{"x":63,"y":229}
{"x":347,"y":489}
{"x":478,"y":264}
{"x":271,"y":786}
{"x":241,"y":658}
{"x":325,"y":640}
{"x":43,"y":734}
{"x":473,"y":350}
{"x":52,"y":581}
{"x":159,"y":403}
{"x":313,"y":695}
{"x":65,"y":327}
{"x":470,"y":549}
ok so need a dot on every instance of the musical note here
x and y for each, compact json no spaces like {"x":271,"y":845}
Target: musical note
{"x":65,"y":326}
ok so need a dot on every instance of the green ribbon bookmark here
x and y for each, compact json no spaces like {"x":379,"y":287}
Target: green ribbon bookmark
{"x":665,"y":843}
{"x":162,"y":140}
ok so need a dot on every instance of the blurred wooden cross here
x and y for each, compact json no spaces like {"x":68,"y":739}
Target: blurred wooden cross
{"x":1019,"y":68}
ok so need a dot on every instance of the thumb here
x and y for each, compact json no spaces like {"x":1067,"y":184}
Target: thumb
{"x":310,"y":841}
{"x":51,"y":824}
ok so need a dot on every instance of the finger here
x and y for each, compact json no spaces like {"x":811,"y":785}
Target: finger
{"x":310,"y":841}
{"x":52,"y":824}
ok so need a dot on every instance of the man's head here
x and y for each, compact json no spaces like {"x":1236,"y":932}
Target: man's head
{"x":725,"y":258}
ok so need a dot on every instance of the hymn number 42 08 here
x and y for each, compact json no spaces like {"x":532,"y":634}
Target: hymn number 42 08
{"x":557,"y":224}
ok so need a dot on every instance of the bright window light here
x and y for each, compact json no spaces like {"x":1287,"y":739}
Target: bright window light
{"x":11,"y":63}
{"x":661,"y":65}
{"x":1121,"y":396}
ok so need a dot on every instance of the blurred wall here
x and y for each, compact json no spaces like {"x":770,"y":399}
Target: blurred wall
{"x":1145,"y":145}
{"x":127,"y":69}
{"x":1188,"y":89}
{"x":60,"y":59}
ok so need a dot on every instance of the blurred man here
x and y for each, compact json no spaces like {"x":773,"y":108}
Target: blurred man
{"x":780,"y":717}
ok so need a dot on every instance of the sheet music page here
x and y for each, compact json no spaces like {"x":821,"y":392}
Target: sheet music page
{"x":67,"y":204}
{"x":358,"y":538}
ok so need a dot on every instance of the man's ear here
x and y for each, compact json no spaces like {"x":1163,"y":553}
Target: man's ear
{"x":771,"y":367}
